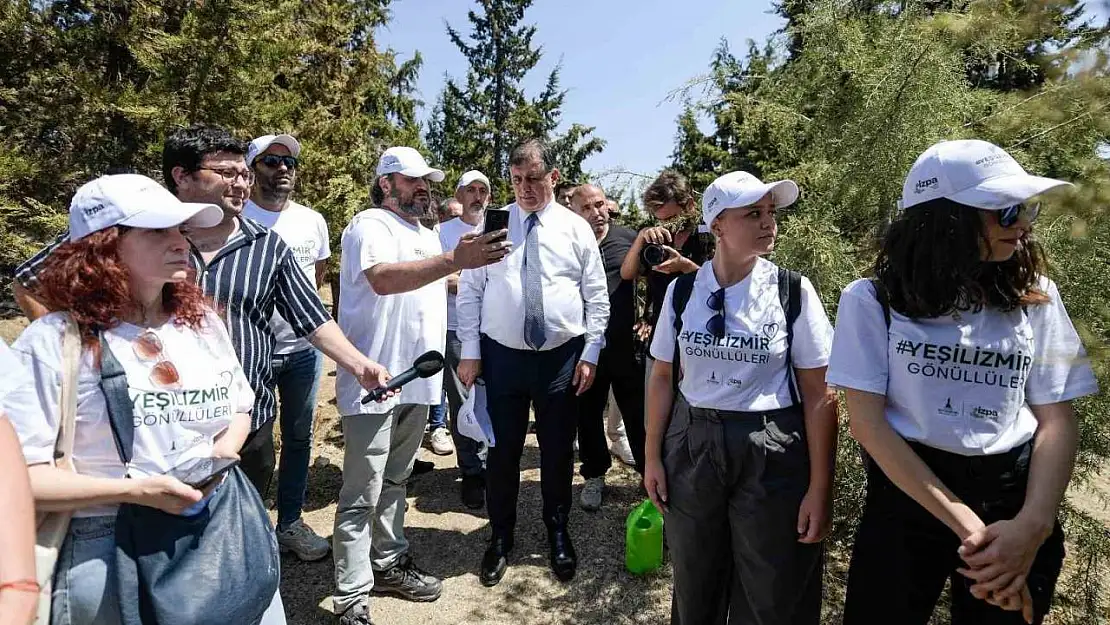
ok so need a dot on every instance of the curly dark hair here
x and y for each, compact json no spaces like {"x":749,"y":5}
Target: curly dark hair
{"x":87,"y":279}
{"x":929,"y":264}
{"x":187,"y":147}
{"x":668,"y":186}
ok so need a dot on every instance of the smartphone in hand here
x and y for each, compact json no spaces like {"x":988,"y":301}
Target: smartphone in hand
{"x":201,"y":472}
{"x":496,"y":219}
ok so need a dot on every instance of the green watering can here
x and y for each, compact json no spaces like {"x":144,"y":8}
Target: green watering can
{"x":643,"y":539}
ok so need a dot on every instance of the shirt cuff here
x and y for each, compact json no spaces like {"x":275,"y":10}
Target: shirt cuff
{"x":592,"y":352}
{"x":471,"y":350}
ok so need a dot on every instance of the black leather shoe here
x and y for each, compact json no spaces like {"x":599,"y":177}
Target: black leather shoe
{"x":495,"y":561}
{"x":564,"y":561}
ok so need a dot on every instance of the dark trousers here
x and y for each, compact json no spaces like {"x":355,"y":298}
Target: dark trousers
{"x":514,"y":380}
{"x":616,"y":368}
{"x":903,"y":555}
{"x":257,"y":458}
{"x":735,"y":481}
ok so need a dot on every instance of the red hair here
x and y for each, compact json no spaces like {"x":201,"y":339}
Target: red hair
{"x":87,"y":279}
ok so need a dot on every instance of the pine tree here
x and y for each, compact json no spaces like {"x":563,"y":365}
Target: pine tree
{"x":476,"y":125}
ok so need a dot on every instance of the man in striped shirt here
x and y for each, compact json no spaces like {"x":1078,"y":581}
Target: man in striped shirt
{"x":247,"y":270}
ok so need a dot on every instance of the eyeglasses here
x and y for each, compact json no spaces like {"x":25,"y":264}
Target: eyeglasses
{"x":275,"y":160}
{"x":716,"y":323}
{"x":1011,"y":214}
{"x":148,"y":348}
{"x":230,"y":175}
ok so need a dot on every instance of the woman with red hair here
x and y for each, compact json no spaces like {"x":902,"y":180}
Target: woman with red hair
{"x":122,"y":278}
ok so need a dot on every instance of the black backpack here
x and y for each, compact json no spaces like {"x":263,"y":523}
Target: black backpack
{"x":790,"y":297}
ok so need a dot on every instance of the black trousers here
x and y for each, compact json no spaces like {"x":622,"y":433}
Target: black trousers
{"x":735,"y":481}
{"x":514,"y":380}
{"x":617,"y":369}
{"x":258,"y":459}
{"x":903,"y":555}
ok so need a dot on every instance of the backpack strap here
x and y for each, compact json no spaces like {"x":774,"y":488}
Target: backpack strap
{"x":683,"y":287}
{"x":790,"y":298}
{"x":881,"y":297}
{"x":121,"y":414}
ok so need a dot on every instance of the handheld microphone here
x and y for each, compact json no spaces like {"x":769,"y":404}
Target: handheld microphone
{"x":427,"y":365}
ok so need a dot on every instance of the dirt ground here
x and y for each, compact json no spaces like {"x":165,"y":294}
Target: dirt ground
{"x":448,"y":541}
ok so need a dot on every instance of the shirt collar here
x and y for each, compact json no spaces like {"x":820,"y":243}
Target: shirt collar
{"x":539,"y":214}
{"x":751,"y":285}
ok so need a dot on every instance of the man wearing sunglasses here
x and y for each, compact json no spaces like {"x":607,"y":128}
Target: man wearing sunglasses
{"x":296,"y":363}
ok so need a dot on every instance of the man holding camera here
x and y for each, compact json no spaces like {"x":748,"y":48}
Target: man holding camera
{"x":616,"y":367}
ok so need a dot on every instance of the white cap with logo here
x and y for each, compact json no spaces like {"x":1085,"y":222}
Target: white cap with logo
{"x":407,"y":162}
{"x":971,"y":172}
{"x":739,"y":188}
{"x":470,"y":177}
{"x":135,"y":201}
{"x":263,"y":143}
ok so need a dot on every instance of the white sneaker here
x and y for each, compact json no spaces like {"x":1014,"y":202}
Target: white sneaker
{"x":303,"y":542}
{"x":622,"y":451}
{"x":590,"y":499}
{"x":441,"y":442}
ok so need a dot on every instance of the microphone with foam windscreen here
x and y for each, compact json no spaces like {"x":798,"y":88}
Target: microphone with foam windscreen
{"x":427,"y":365}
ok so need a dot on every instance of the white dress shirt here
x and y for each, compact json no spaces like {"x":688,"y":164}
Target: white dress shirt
{"x":575,"y":294}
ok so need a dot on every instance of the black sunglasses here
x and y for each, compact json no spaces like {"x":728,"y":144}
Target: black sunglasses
{"x":716,"y":323}
{"x":1011,"y":214}
{"x":273,"y":160}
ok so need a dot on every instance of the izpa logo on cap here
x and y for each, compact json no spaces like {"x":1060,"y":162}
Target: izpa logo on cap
{"x":92,"y":210}
{"x":390,"y":160}
{"x":714,"y":201}
{"x":924,"y":185}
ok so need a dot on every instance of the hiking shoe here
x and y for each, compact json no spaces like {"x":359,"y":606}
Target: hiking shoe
{"x":473,"y":491}
{"x":441,"y":442}
{"x":358,"y":614}
{"x":622,"y":451}
{"x":407,"y":581}
{"x":590,"y":499}
{"x":306,"y":544}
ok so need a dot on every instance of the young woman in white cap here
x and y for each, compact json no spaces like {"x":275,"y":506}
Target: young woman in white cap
{"x":139,"y":335}
{"x":741,"y":429}
{"x":959,"y":365}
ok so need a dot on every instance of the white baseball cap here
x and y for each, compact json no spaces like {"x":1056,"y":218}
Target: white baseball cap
{"x":739,"y":188}
{"x":971,"y":172}
{"x":407,"y":162}
{"x":470,"y":177}
{"x":263,"y":143}
{"x":135,"y":201}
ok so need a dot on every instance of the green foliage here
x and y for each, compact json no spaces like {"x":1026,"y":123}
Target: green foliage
{"x":845,"y":105}
{"x":474,"y":126}
{"x":88,"y":88}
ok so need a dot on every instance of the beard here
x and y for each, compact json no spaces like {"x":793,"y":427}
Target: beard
{"x":413,"y":204}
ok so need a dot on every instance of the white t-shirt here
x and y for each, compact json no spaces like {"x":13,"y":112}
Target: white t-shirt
{"x":392,"y":330}
{"x":171,"y":425}
{"x":305,"y":232}
{"x":15,"y":377}
{"x":961,"y":383}
{"x":746,"y":370}
{"x":450,"y":233}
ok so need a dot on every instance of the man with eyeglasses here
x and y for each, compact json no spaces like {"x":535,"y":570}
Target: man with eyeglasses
{"x":296,"y":364}
{"x":247,"y":270}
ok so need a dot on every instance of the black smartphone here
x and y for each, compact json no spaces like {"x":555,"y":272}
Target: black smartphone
{"x":200,"y":472}
{"x":496,"y":219}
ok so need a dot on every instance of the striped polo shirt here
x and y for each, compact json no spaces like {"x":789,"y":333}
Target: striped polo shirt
{"x":251,"y":276}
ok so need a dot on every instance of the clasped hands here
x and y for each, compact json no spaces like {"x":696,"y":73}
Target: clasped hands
{"x":998,"y":558}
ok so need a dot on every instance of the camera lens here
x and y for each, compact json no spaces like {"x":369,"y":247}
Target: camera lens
{"x":653,"y":254}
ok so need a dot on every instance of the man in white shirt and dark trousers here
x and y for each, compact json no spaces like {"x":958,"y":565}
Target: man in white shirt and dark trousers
{"x":533,"y":326}
{"x":296,"y":364}
{"x":473,"y":193}
{"x":393,"y":304}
